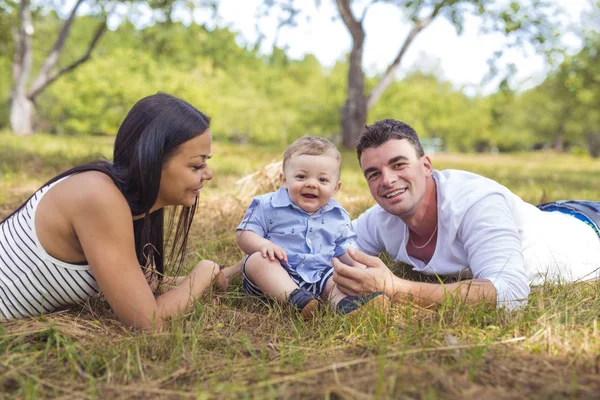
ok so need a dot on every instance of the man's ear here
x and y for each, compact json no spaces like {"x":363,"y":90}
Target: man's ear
{"x":428,"y":165}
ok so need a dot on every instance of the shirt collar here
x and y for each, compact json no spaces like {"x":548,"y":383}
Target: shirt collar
{"x":281,"y":198}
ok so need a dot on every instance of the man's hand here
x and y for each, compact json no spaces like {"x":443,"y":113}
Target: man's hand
{"x":376,"y":277}
{"x":346,"y":259}
{"x":272,"y":251}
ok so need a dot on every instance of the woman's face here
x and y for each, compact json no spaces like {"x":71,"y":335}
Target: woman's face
{"x":184,"y":174}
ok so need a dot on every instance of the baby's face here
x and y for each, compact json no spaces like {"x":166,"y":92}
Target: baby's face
{"x":311,"y":180}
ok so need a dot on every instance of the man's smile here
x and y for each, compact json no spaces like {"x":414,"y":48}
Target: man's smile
{"x":394,"y":193}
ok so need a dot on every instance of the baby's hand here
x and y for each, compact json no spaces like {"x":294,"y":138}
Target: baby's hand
{"x":272,"y":251}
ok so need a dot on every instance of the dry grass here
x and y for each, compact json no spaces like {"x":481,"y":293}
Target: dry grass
{"x":234,"y":346}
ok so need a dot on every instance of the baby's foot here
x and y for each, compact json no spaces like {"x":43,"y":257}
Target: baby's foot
{"x":379,"y":301}
{"x":305,"y":302}
{"x":222,"y":281}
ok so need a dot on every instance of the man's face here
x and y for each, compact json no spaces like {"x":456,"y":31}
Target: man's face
{"x":397,"y":176}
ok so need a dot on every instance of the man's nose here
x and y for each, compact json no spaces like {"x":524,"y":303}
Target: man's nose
{"x":388,"y":177}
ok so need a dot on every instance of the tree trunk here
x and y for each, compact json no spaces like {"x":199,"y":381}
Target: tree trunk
{"x":559,"y":143}
{"x":593,"y":139}
{"x":22,"y":106}
{"x":21,"y":115}
{"x":559,"y":140}
{"x":354,"y":112}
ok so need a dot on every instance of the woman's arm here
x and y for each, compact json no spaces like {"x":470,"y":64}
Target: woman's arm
{"x":102,"y":221}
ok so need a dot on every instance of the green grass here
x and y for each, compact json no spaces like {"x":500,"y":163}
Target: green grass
{"x":233,"y":346}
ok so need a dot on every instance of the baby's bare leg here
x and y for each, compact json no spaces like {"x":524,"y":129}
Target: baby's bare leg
{"x":270,"y":277}
{"x":332,"y":293}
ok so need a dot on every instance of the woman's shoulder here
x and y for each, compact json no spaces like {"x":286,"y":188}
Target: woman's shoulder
{"x":90,"y":189}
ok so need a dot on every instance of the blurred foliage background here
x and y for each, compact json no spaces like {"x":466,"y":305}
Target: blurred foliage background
{"x":273,"y":99}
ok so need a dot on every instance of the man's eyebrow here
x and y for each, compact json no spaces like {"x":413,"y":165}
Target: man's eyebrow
{"x":369,"y":170}
{"x":396,"y":159}
{"x":390,"y":161}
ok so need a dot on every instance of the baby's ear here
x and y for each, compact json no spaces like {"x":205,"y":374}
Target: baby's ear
{"x":339,"y":185}
{"x":281,"y":178}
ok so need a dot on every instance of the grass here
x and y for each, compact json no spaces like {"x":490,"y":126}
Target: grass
{"x":233,"y":346}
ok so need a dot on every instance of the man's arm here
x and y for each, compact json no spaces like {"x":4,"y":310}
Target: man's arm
{"x":494,"y":248}
{"x":378,"y":277}
{"x":474,"y":291}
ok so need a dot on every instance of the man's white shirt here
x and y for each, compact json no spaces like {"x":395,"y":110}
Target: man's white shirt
{"x":486,"y":229}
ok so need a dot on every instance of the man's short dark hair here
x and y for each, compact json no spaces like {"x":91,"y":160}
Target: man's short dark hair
{"x":387,"y":129}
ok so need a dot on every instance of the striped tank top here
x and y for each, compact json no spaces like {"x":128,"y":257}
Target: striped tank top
{"x":32,"y":282}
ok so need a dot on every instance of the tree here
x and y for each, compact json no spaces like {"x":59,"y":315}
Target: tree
{"x":22,"y":98}
{"x":577,"y":81}
{"x":531,"y":23}
{"x":563,"y":111}
{"x":7,"y":15}
{"x":584,"y":79}
{"x":23,"y":94}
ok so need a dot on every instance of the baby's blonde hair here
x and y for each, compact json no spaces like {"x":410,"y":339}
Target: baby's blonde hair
{"x":312,"y":146}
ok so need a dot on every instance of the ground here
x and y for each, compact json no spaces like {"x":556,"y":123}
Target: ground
{"x":230,"y":345}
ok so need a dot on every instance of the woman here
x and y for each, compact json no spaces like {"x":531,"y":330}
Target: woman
{"x":89,"y":229}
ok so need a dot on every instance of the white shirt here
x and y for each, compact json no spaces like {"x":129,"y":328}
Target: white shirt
{"x":485,"y":228}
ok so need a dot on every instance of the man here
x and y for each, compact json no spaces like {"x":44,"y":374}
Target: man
{"x":455,"y":223}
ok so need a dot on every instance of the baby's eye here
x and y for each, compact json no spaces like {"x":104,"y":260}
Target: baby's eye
{"x":324,"y":180}
{"x":300,"y":176}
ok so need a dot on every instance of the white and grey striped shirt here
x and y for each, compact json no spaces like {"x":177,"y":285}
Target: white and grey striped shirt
{"x":32,"y":282}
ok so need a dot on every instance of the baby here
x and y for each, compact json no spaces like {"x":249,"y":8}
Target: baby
{"x":291,"y":235}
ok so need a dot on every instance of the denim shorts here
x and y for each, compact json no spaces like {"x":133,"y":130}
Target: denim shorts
{"x":316,"y":288}
{"x":586,"y":211}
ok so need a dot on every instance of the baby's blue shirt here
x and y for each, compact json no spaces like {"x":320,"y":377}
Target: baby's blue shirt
{"x":310,"y":241}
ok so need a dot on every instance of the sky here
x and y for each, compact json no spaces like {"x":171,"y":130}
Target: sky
{"x":460,"y":59}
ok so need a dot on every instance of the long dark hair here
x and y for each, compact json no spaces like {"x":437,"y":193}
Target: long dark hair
{"x":148,"y":137}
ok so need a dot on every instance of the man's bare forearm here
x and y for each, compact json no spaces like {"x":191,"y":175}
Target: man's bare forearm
{"x":475,"y":291}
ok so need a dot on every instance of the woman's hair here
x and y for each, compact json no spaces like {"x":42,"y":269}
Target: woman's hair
{"x":148,"y":137}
